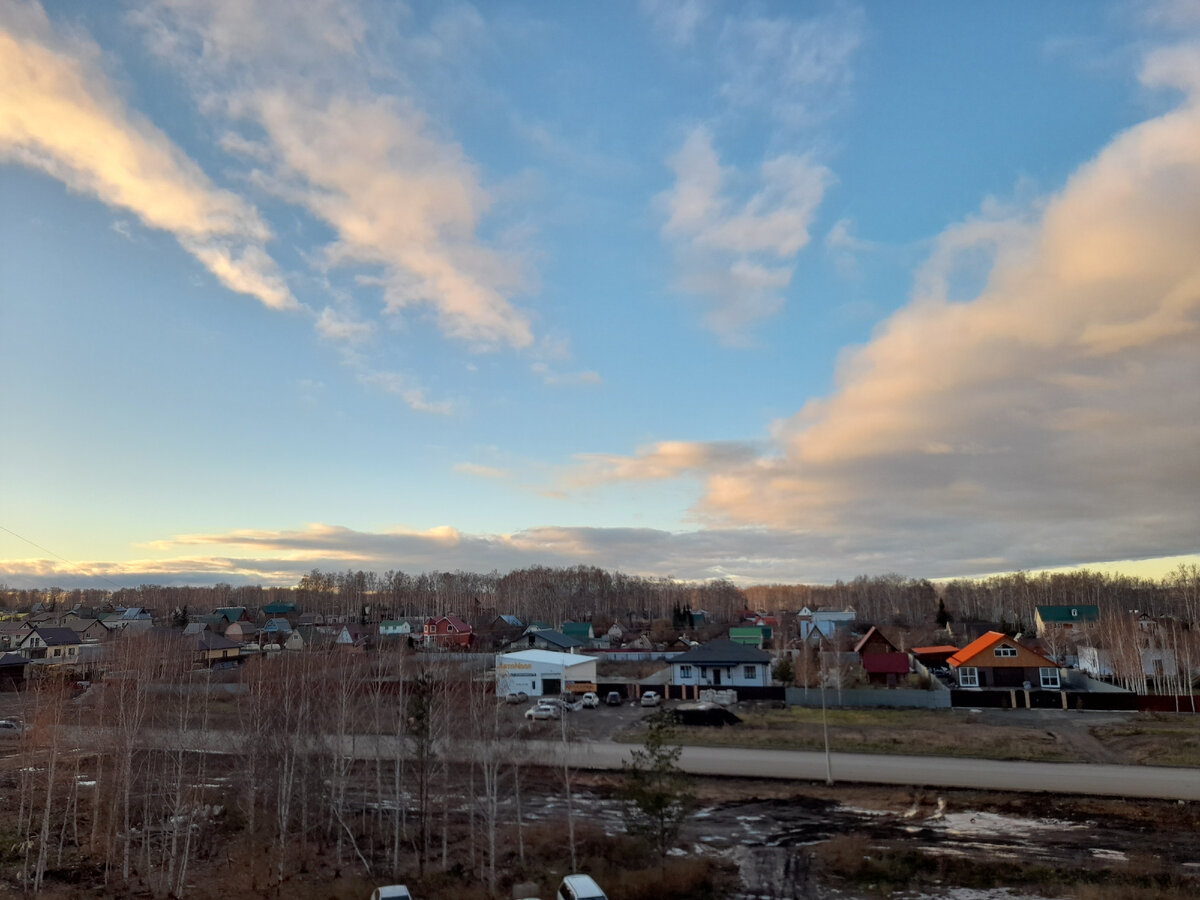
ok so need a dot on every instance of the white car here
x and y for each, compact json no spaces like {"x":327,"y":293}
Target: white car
{"x":579,"y":887}
{"x":590,"y":700}
{"x":542,"y":711}
{"x":651,"y":698}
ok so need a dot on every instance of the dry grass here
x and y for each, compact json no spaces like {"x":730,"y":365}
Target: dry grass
{"x":915,"y":732}
{"x":1155,"y":739}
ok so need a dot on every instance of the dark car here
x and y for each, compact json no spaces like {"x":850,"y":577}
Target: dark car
{"x":613,"y":699}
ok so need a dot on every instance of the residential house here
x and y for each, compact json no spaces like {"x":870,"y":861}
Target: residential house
{"x":280,"y":608}
{"x":12,"y":633}
{"x":227,"y":615}
{"x":212,"y":649}
{"x":351,"y":635}
{"x":549,"y":639}
{"x":447,"y":632}
{"x":55,"y":645}
{"x":748,"y":635}
{"x":580,"y":631}
{"x":90,"y":631}
{"x":395,"y":628}
{"x":825,"y":622}
{"x":722,"y":664}
{"x":996,"y":660}
{"x":295,"y":641}
{"x":275,"y":630}
{"x":880,"y":659}
{"x":1155,"y":662}
{"x":242,"y":632}
{"x":636,"y":641}
{"x":1065,"y":620}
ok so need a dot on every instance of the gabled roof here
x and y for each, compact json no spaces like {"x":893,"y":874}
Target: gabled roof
{"x":232,"y":613}
{"x":280,"y":625}
{"x":722,"y":653}
{"x":986,"y":642}
{"x":872,"y":632}
{"x":13,"y":659}
{"x":940,"y":648}
{"x":210,"y":640}
{"x":279,"y":609}
{"x":511,"y":621}
{"x":455,"y":622}
{"x":578,"y":630}
{"x":557,"y":638}
{"x":1080,"y":612}
{"x":57,"y":637}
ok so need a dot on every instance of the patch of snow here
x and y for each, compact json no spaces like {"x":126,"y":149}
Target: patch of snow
{"x":983,"y":823}
{"x":1113,"y":855}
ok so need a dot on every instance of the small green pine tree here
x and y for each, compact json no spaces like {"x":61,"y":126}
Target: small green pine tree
{"x":656,"y":793}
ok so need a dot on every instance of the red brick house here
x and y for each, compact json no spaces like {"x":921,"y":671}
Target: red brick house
{"x":447,"y":631}
{"x":998,"y":661}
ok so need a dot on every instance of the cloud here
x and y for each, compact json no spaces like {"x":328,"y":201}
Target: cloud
{"x":401,"y":386}
{"x":468,"y":468}
{"x":559,"y":379}
{"x":735,"y":252}
{"x":797,"y":71}
{"x":311,"y":98}
{"x":666,"y":459}
{"x":677,"y":20}
{"x":1044,"y":418}
{"x":59,"y":114}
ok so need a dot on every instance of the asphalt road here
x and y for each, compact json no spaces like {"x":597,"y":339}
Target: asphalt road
{"x":933,"y":771}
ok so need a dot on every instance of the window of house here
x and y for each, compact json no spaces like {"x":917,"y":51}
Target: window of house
{"x":1005,"y":651}
{"x":1049,"y":679}
{"x":968,"y":676}
{"x":750,"y":672}
{"x":685,"y":671}
{"x":57,"y":652}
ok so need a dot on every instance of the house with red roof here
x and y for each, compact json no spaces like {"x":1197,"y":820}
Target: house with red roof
{"x":996,"y":660}
{"x":447,"y":631}
{"x":880,"y":659}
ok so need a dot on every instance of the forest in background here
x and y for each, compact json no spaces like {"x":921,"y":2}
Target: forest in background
{"x":579,"y":592}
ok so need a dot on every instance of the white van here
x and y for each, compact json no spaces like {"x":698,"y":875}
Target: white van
{"x":580,"y":887}
{"x":391,"y":892}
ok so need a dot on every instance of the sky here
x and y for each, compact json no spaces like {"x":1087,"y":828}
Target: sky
{"x":771,"y":292}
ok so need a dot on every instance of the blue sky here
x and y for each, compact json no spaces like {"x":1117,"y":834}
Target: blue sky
{"x":771,"y":292}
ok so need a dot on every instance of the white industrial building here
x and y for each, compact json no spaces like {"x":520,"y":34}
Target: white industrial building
{"x":540,"y":672}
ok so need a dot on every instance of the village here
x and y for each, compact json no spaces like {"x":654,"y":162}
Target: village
{"x":1071,"y":658}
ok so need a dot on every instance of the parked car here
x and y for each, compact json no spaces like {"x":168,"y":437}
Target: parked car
{"x":391,"y":892}
{"x":13,"y":727}
{"x":651,"y":698}
{"x":579,"y":887}
{"x":516,"y":697}
{"x":590,"y":700}
{"x":543,"y":711}
{"x":560,"y":704}
{"x":614,"y":698}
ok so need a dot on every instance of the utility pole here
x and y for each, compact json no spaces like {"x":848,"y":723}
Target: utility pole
{"x":825,"y":727}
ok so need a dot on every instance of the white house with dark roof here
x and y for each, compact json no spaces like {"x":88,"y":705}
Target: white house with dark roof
{"x":722,"y":664}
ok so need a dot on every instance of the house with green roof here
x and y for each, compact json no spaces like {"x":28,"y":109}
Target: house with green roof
{"x":581,"y":631}
{"x":1065,"y":618}
{"x":748,"y":635}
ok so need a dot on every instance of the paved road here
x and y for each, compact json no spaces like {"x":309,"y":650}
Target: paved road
{"x":933,"y":771}
{"x":802,"y":765}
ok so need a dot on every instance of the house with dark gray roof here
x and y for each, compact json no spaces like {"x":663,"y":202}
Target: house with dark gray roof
{"x":548,"y":639}
{"x":722,"y":664}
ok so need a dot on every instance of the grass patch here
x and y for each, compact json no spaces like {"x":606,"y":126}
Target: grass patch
{"x":1155,"y":739}
{"x":885,"y":731}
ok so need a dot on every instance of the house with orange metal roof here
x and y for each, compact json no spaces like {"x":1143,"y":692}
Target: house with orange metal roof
{"x":996,"y":660}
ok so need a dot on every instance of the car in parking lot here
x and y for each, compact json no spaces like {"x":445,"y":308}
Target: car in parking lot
{"x":543,"y":711}
{"x":579,"y":887}
{"x":614,"y":698}
{"x":590,"y":700}
{"x":516,"y":697}
{"x":13,"y":727}
{"x":651,"y":698}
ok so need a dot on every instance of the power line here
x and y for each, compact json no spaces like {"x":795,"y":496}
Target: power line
{"x":73,"y":565}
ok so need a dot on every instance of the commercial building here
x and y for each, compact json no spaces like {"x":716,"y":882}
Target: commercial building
{"x":540,"y":672}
